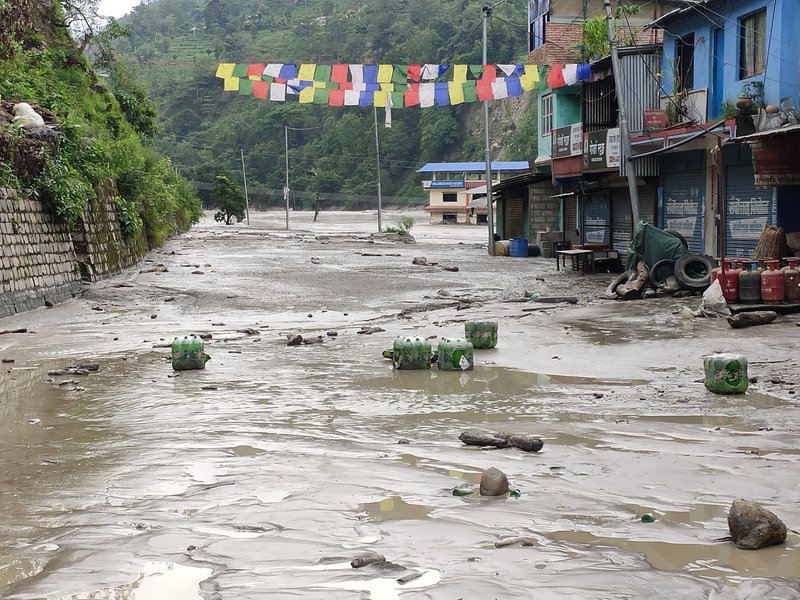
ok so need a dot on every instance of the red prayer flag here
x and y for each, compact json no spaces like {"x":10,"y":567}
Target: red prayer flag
{"x":345,"y":85}
{"x":261,"y":89}
{"x":336,"y":97}
{"x":414,"y":72}
{"x":339,"y":73}
{"x":555,"y":77}
{"x":255,"y":70}
{"x":489,"y":74}
{"x":411,"y":96}
{"x":485,"y":92}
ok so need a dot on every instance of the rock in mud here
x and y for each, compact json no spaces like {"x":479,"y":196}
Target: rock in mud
{"x":367,"y":558}
{"x":753,"y":526}
{"x":493,"y":482}
{"x":294,"y":340}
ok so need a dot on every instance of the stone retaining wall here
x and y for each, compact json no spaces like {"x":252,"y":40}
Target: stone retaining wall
{"x":37,"y":256}
{"x":43,"y":263}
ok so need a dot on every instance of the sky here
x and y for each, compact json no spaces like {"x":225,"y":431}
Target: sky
{"x":116,"y":8}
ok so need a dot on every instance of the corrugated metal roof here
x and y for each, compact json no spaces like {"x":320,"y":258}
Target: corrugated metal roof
{"x":475,"y":167}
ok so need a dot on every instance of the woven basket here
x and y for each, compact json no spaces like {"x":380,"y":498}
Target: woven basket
{"x":772,"y":244}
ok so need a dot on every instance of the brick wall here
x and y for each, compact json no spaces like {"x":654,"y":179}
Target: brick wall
{"x":545,"y":211}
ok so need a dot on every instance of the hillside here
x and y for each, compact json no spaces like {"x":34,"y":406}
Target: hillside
{"x":96,"y":136}
{"x":176,"y":45}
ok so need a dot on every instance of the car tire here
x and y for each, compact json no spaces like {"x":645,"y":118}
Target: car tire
{"x":611,"y":290}
{"x":693,"y":271}
{"x":661,"y":270}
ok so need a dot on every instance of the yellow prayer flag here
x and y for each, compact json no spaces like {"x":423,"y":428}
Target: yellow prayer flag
{"x":306,"y":72}
{"x":231,"y":84}
{"x":456,"y":91}
{"x":385,"y":73}
{"x":380,"y":98}
{"x":306,"y":95}
{"x":387,"y":87}
{"x":319,"y":84}
{"x":225,"y":70}
{"x":459,"y":74}
{"x":533,"y":71}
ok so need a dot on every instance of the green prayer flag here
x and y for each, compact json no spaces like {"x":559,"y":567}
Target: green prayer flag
{"x":475,"y":71}
{"x":240,"y":70}
{"x":470,"y":91}
{"x":400,"y":74}
{"x":397,"y":99}
{"x":542,"y":83}
{"x":321,"y":95}
{"x":323,"y":73}
{"x":245,"y":87}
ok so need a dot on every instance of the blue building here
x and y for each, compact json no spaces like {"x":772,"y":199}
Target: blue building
{"x":715,"y":54}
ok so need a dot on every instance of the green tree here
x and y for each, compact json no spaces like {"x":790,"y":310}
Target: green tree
{"x":227,"y":198}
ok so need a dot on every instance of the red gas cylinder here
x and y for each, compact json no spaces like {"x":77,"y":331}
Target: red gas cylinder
{"x":716,"y":272}
{"x":792,"y":279}
{"x":773,"y":283}
{"x":730,"y":281}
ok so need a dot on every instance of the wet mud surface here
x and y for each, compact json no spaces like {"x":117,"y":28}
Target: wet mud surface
{"x":264,"y":475}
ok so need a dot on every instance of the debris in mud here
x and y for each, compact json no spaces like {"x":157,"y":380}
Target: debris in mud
{"x":217,"y":325}
{"x":749,"y":319}
{"x":528,"y":443}
{"x":154,"y":316}
{"x":315,"y":260}
{"x":753,"y":526}
{"x":332,"y":333}
{"x":648,"y":518}
{"x":409,"y":577}
{"x":205,"y":336}
{"x":248,"y":331}
{"x":198,"y":273}
{"x":7,"y":361}
{"x":367,"y":558}
{"x":297,"y":340}
{"x":422,"y":261}
{"x":124,"y":285}
{"x":493,"y":482}
{"x":159,"y":268}
{"x":209,"y":388}
{"x":5,"y":331}
{"x":370,"y":330}
{"x":170,"y":299}
{"x":554,"y":299}
{"x":513,"y":541}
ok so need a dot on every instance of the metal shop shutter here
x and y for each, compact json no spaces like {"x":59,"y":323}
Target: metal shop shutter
{"x":684,"y":200}
{"x":513,"y":218}
{"x":622,"y":221}
{"x":748,"y":211}
{"x":597,"y":219}
{"x":570,"y":214}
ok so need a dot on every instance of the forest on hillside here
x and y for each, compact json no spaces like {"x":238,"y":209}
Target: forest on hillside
{"x":174,"y":47}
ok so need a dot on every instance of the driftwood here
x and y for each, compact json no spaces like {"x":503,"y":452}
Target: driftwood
{"x":5,"y":331}
{"x":633,"y":288}
{"x":555,"y":299}
{"x":528,"y":443}
{"x":748,"y":319}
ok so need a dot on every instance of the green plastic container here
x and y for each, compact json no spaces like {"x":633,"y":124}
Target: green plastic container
{"x":455,"y":355}
{"x":481,"y":334}
{"x":411,"y":353}
{"x":188,"y":353}
{"x":726,"y":373}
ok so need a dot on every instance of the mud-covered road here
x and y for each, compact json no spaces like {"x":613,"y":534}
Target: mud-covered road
{"x":264,"y":475}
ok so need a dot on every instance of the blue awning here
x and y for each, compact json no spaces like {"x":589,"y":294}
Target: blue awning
{"x":475,"y":167}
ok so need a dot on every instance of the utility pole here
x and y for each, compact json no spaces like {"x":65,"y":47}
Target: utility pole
{"x":624,"y":133}
{"x":246,"y":197}
{"x":286,"y":185}
{"x":487,"y":10}
{"x":378,"y":158}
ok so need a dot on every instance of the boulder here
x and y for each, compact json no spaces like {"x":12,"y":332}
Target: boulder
{"x":493,"y":482}
{"x":753,"y":526}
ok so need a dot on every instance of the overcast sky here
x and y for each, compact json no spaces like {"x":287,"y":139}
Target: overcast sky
{"x":116,"y":8}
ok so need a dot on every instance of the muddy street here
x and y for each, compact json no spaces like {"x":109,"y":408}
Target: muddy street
{"x":265,"y":474}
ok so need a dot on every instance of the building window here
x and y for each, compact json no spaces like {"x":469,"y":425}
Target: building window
{"x":448,"y":197}
{"x":547,"y":115}
{"x":449,"y":218}
{"x":538,"y":15}
{"x":753,"y":47}
{"x":684,"y":63}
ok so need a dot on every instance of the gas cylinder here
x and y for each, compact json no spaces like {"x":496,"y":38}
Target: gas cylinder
{"x":792,"y":280}
{"x":716,"y":272}
{"x":730,"y":281}
{"x":750,"y":284}
{"x":773,"y":283}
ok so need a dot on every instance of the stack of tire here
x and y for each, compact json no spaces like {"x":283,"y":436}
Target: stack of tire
{"x":689,"y":275}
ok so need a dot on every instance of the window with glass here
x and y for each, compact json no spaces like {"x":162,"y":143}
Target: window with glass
{"x":449,"y":197}
{"x":538,"y":15}
{"x":547,"y":115}
{"x":753,"y":44}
